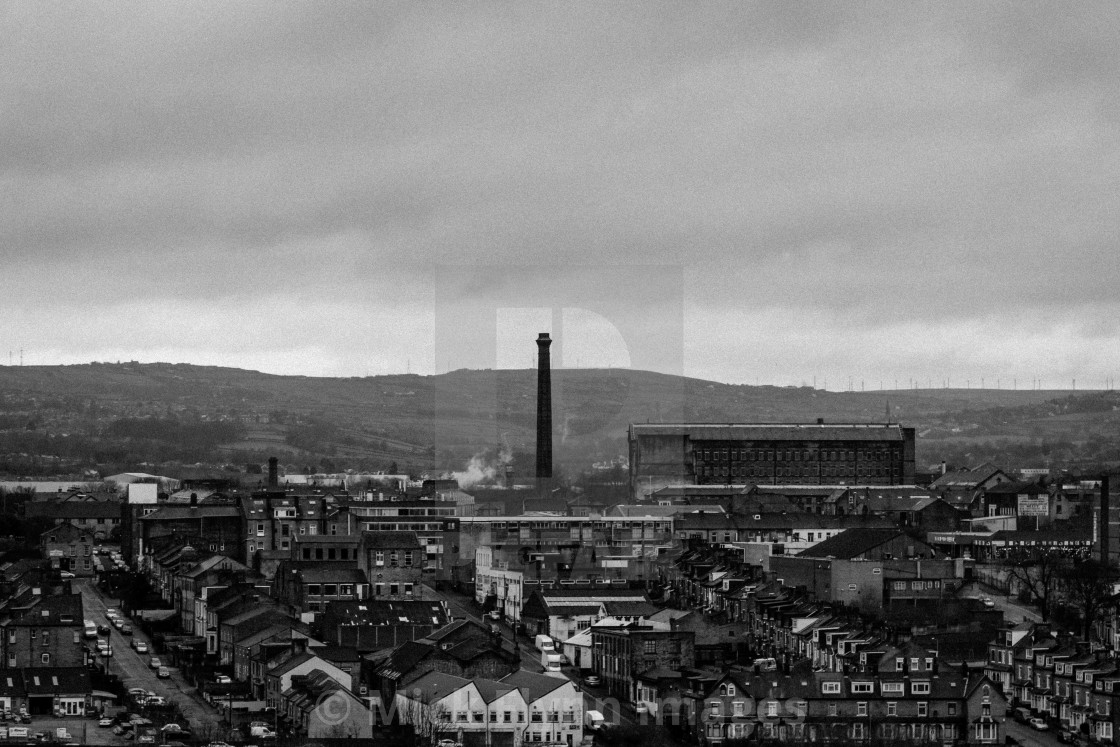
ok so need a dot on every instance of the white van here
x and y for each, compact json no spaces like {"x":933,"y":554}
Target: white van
{"x":594,"y":720}
{"x":544,"y":643}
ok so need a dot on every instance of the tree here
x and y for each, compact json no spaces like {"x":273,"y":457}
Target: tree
{"x":1088,"y":584}
{"x":430,"y":721}
{"x":1038,"y":571}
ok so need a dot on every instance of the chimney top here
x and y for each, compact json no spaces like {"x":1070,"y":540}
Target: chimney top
{"x":543,"y":337}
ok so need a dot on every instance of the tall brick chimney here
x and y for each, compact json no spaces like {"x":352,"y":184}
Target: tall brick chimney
{"x":1105,"y":538}
{"x":273,"y":473}
{"x":544,"y":408}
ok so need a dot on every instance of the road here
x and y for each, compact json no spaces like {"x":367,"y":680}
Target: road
{"x":1013,"y":612}
{"x":133,"y":668}
{"x":1028,"y":737}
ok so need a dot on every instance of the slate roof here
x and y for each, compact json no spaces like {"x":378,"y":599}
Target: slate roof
{"x":212,"y":562}
{"x":391,"y":540}
{"x":656,"y":511}
{"x":434,"y":686}
{"x":403,"y":659}
{"x":629,"y":609}
{"x":11,"y":683}
{"x":74,"y":510}
{"x":203,"y":511}
{"x":291,"y":663}
{"x":58,"y":610}
{"x":377,"y":612}
{"x":967,"y":477}
{"x":61,"y":680}
{"x":850,"y":543}
{"x":534,"y":686}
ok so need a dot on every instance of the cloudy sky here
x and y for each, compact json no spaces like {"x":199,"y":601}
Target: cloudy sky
{"x":794,"y":193}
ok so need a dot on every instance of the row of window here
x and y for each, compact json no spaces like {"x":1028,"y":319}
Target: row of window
{"x":286,"y":530}
{"x":507,"y":717}
{"x":330,"y":590}
{"x":812,"y":732}
{"x":331,"y":553}
{"x":394,"y":589}
{"x":394,"y":558}
{"x":918,"y":687}
{"x":738,"y":470}
{"x":12,"y":661}
{"x":788,"y":455}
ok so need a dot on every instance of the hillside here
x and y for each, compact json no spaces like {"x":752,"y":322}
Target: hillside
{"x":131,"y":413}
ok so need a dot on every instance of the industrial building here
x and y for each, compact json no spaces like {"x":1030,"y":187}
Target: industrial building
{"x":672,"y":454}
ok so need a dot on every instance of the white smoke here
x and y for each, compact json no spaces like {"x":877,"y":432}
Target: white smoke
{"x":483,"y":468}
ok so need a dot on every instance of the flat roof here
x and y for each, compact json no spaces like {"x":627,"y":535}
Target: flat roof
{"x":778,"y":431}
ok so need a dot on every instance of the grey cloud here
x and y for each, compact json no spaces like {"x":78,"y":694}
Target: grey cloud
{"x":809,"y":156}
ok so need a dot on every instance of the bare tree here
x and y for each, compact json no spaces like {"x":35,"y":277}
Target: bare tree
{"x":430,"y":721}
{"x":1038,"y":572}
{"x":1088,"y":584}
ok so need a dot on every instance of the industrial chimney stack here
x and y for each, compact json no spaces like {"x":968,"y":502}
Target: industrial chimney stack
{"x":544,"y":409}
{"x":273,"y":473}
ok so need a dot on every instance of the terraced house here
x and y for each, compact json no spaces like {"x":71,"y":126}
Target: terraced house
{"x":901,"y":699}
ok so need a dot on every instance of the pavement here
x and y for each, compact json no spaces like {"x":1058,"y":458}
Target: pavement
{"x":133,"y":668}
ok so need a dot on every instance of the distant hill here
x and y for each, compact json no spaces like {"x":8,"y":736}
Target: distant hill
{"x":129,"y":413}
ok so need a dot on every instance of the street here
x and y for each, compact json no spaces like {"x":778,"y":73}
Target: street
{"x":1013,"y":612}
{"x":133,"y":668}
{"x":1028,"y":737}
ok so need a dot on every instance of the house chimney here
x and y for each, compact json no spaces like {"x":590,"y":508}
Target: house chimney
{"x":273,"y":472}
{"x":544,"y":408}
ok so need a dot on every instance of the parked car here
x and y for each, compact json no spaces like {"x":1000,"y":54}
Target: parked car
{"x":155,"y":663}
{"x":1022,"y":715}
{"x":223,"y":679}
{"x":105,"y":721}
{"x":139,"y":646}
{"x":1039,"y":724}
{"x":125,"y":629}
{"x":1065,"y":736}
{"x":163,"y":673}
{"x":67,"y":574}
{"x":592,"y":680}
{"x":103,"y":630}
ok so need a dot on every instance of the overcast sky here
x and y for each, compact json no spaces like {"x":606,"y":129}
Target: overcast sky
{"x":818,"y":192}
